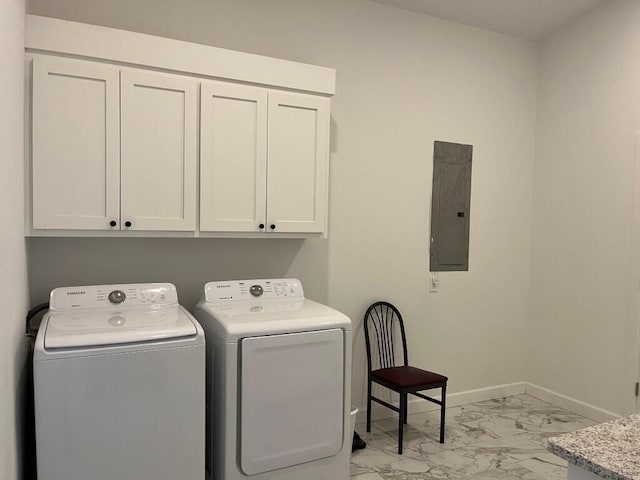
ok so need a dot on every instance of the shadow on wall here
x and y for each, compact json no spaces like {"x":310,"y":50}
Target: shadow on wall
{"x":188,"y":263}
{"x":24,"y":416}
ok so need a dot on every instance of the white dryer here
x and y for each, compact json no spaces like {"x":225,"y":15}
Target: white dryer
{"x":119,"y":385}
{"x":278,"y":383}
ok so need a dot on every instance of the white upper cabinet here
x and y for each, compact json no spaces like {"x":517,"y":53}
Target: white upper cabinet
{"x":158,"y":151}
{"x":233,"y":158}
{"x":263,"y":160}
{"x":76,"y":145}
{"x":298,"y":161}
{"x":137,"y":135}
{"x":113,"y":149}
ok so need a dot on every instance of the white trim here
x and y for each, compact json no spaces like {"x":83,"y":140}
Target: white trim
{"x":45,"y":34}
{"x":417,"y":405}
{"x":568,"y":403}
{"x":632,"y":337}
{"x":31,"y":233}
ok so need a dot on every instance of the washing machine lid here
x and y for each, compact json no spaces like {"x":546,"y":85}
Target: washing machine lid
{"x":94,"y":327}
{"x":236,"y":309}
{"x":232,"y":322}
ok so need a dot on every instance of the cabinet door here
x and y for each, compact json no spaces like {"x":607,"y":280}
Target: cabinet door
{"x":158,"y":151}
{"x":76,"y":144}
{"x":233,"y":155}
{"x":298,"y":162}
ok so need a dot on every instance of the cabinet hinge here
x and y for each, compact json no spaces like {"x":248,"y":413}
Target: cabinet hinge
{"x":637,"y":388}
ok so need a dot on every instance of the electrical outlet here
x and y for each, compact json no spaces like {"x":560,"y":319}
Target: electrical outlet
{"x":434,"y":282}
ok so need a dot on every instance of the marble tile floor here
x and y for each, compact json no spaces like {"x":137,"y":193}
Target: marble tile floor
{"x":500,"y":439}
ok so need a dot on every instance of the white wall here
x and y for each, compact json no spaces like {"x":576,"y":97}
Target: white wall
{"x":188,"y":263}
{"x":588,"y":116}
{"x":13,"y":282}
{"x":403,"y":81}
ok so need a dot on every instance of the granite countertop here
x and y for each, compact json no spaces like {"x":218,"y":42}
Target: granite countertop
{"x":610,"y":450}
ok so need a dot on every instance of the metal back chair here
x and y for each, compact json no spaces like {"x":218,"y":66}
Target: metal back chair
{"x":386,"y":347}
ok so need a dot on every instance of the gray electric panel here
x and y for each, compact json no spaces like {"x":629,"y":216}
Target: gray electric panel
{"x":450,"y":204}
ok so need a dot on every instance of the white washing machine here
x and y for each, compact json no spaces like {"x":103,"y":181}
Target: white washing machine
{"x":278,"y":383}
{"x":119,"y":376}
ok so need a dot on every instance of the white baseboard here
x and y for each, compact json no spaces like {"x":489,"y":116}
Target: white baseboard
{"x":573,"y":405}
{"x":418,"y":405}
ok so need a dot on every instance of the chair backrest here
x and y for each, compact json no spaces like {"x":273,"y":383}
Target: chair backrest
{"x":382,"y":326}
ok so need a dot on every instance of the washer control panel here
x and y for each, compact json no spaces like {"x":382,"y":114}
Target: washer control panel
{"x":251,"y":290}
{"x":100,"y":296}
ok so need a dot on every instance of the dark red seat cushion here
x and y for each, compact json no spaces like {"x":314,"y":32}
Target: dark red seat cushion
{"x":408,"y":377}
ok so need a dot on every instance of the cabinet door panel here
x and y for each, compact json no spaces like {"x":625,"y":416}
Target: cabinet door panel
{"x":233,"y":138}
{"x":298,"y":162}
{"x":276,"y":430}
{"x":75,"y":147}
{"x":159,"y":141}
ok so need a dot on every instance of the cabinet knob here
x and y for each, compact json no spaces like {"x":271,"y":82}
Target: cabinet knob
{"x":272,"y":226}
{"x":261,"y":226}
{"x":127,"y":223}
{"x":113,"y":223}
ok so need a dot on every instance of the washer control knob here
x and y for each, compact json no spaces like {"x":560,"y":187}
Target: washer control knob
{"x":256,"y":290}
{"x":117,"y":296}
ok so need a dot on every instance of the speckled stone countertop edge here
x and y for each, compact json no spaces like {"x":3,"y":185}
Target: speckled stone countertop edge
{"x":610,"y":450}
{"x":584,"y":463}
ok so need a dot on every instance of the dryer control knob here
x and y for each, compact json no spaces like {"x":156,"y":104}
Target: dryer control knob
{"x":117,"y":296}
{"x":256,"y":290}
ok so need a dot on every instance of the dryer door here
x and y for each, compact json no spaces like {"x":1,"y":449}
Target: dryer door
{"x":292,"y":399}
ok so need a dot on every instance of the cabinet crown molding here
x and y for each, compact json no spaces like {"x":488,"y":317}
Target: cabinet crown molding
{"x":50,"y":35}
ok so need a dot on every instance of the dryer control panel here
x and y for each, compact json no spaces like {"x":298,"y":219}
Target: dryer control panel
{"x":100,"y":296}
{"x":251,"y":290}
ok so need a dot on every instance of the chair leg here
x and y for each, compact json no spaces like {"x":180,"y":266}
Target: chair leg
{"x":406,"y":408}
{"x":369,"y":406}
{"x":442,"y":410}
{"x":401,"y":417}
